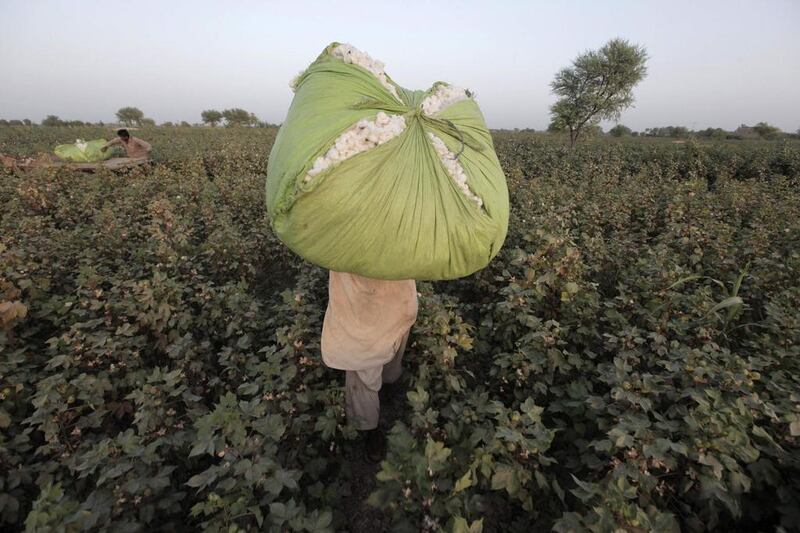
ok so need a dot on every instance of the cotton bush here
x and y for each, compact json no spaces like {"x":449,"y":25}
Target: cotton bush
{"x":362,"y":136}
{"x":147,"y":290}
{"x":454,"y":168}
{"x":444,"y":96}
{"x":352,"y":55}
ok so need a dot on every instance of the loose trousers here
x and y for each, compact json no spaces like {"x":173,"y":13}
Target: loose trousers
{"x":361,"y":391}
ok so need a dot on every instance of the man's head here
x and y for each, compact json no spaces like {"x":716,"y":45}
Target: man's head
{"x":123,"y":134}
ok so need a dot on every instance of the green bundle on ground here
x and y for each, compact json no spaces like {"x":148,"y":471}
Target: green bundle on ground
{"x":83,"y":151}
{"x":370,"y":178}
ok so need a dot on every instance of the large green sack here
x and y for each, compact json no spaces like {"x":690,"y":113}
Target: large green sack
{"x":83,"y":152}
{"x":392,"y":212}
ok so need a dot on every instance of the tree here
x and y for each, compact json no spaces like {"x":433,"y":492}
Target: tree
{"x":593,"y":131}
{"x":766,"y":131}
{"x":211,"y":117}
{"x":713,"y":133}
{"x":185,"y":124}
{"x":667,"y":131}
{"x":27,"y":121}
{"x":599,"y":85}
{"x":556,"y":125}
{"x":237,"y":117}
{"x":147,"y":122}
{"x":130,"y":116}
{"x":52,"y":120}
{"x":620,"y":130}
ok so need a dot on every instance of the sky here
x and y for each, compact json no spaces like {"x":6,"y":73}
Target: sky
{"x":711,"y":63}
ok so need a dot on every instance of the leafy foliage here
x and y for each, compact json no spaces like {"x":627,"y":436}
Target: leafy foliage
{"x":767,"y":131}
{"x":628,"y":362}
{"x":211,"y":117}
{"x":598,"y":85}
{"x":620,"y":130}
{"x":130,"y":116}
{"x":239,"y":117}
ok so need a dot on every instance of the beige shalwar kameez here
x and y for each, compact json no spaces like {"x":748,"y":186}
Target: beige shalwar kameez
{"x":365,"y":332}
{"x":135,"y":148}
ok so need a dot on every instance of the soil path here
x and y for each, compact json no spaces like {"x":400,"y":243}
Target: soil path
{"x":363,"y":518}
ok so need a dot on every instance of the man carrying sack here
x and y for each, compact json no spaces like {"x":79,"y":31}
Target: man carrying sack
{"x":365,"y":331}
{"x":381,"y":186}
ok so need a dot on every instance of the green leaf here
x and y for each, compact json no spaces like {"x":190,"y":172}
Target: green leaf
{"x":710,"y":460}
{"x":418,"y":398}
{"x":320,"y":522}
{"x":270,"y":426}
{"x":585,"y":491}
{"x":247,"y":389}
{"x":572,"y":287}
{"x":459,"y":525}
{"x":277,"y":513}
{"x":202,"y":479}
{"x":530,"y":408}
{"x":436,"y":454}
{"x":727,"y":302}
{"x":505,"y":477}
{"x":463,"y":482}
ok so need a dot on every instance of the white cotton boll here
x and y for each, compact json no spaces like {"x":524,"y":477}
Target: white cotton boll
{"x":296,"y":80}
{"x":351,"y":55}
{"x":453,"y":167}
{"x":444,"y":96}
{"x":360,"y":137}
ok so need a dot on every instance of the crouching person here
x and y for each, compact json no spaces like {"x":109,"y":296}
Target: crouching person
{"x":365,"y":332}
{"x":135,"y":148}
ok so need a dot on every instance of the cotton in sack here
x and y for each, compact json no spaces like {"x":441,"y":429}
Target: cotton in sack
{"x":371,"y":178}
{"x":83,"y":151}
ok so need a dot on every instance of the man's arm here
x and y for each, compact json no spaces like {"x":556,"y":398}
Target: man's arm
{"x":144,"y":144}
{"x":114,"y":141}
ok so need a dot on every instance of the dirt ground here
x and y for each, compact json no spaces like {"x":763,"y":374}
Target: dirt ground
{"x":363,"y":518}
